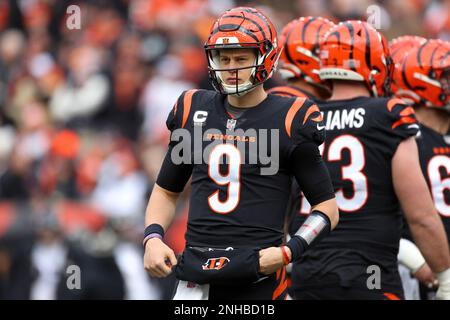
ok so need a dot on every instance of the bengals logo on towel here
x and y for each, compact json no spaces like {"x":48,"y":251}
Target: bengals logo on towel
{"x":215,"y":263}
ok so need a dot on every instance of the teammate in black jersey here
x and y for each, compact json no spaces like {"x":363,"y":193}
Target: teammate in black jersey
{"x":412,"y":264}
{"x":422,"y":80}
{"x":371,"y":155}
{"x":241,"y":147}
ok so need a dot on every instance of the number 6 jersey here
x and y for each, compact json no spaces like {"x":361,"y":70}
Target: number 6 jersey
{"x":242,"y":167}
{"x":434,"y":151}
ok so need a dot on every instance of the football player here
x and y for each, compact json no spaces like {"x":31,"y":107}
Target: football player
{"x":371,"y":155}
{"x":422,"y":81}
{"x":299,"y":60}
{"x":412,"y":264}
{"x":246,"y":146}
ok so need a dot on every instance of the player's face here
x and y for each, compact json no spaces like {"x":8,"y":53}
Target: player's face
{"x":236,"y":58}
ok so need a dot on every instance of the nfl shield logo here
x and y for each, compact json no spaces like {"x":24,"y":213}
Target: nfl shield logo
{"x":231,"y":123}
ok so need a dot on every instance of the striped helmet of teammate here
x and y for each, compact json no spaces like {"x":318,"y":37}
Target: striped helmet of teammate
{"x":354,"y":50}
{"x":300,"y":41}
{"x":424,"y":75}
{"x":400,"y":47}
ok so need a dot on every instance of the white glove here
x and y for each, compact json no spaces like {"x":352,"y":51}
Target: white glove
{"x":443,"y":292}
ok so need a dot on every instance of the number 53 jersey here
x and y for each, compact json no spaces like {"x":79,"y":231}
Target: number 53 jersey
{"x":241,"y":168}
{"x":361,"y":138}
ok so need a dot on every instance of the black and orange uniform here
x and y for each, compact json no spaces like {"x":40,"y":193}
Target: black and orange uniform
{"x":427,"y":59}
{"x":434,"y":156}
{"x":362,"y":136}
{"x":238,"y":198}
{"x":289,"y":91}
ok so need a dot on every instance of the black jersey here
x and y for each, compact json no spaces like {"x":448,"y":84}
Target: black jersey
{"x":434,"y":152}
{"x":240,"y":168}
{"x":362,"y":136}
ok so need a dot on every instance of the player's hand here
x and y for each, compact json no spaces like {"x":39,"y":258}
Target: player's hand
{"x":158,"y":258}
{"x":426,"y":276}
{"x":270,"y":260}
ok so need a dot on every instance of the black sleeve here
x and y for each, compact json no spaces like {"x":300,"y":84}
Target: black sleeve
{"x":311,"y":173}
{"x":173,"y":177}
{"x":308,"y":125}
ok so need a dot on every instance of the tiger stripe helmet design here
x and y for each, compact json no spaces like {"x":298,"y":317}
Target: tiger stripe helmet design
{"x":399,"y":48}
{"x":300,"y":42}
{"x":243,"y":27}
{"x":425,"y":75}
{"x":354,"y":50}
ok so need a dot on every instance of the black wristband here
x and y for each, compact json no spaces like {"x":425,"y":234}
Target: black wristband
{"x":298,"y":246}
{"x":154,"y":228}
{"x":315,"y":228}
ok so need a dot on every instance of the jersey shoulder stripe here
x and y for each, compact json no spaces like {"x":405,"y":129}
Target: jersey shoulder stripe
{"x":295,"y":107}
{"x":311,"y":110}
{"x":404,"y":114}
{"x":393,"y":102}
{"x":288,"y":91}
{"x":187,"y":102}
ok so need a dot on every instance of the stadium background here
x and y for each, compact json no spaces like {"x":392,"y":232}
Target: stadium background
{"x":82,"y":128}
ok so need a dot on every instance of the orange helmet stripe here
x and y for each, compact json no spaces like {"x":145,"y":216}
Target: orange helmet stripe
{"x":261,"y":18}
{"x":252,"y":21}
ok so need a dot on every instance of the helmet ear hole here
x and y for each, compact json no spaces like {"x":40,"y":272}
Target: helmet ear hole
{"x":432,"y":74}
{"x":264,"y":73}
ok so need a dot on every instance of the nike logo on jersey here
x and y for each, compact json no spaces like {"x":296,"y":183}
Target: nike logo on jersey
{"x":319,"y":127}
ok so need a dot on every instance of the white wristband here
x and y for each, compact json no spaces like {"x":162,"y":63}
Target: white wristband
{"x":444,"y":276}
{"x":443,"y":292}
{"x":409,"y":256}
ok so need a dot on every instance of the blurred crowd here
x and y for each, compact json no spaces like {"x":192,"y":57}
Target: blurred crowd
{"x":82,"y":128}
